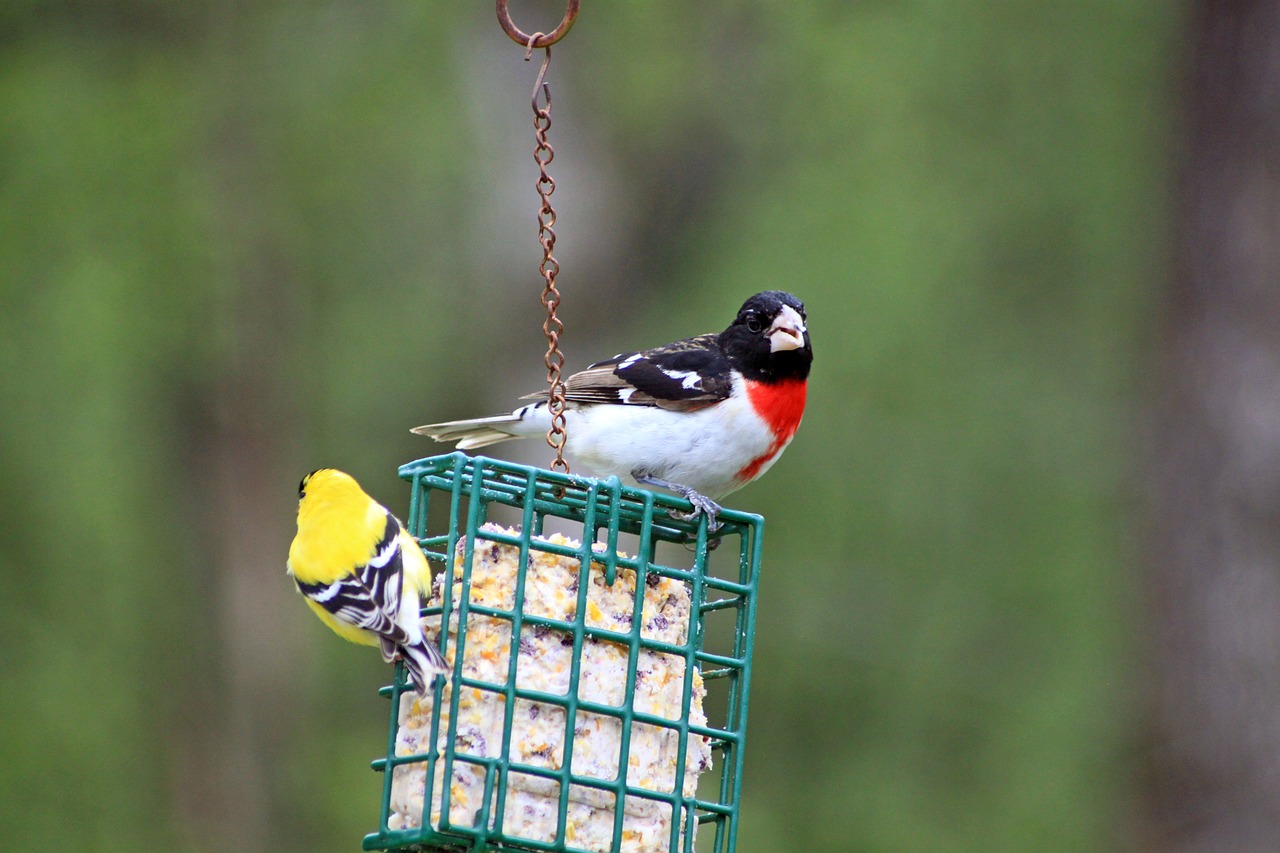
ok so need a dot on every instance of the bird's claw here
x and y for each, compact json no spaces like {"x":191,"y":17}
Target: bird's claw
{"x":702,"y":505}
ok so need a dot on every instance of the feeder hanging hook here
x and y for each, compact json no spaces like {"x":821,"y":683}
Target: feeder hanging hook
{"x":537,"y":40}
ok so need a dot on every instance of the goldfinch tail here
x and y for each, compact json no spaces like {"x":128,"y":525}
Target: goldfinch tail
{"x":424,"y":663}
{"x":481,"y":432}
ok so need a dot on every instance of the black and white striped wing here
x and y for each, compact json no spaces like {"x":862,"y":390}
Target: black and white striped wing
{"x":369,"y":598}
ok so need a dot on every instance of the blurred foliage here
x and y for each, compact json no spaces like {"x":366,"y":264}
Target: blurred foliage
{"x":281,"y":233}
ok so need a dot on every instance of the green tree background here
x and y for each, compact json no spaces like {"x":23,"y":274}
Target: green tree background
{"x":239,"y":241}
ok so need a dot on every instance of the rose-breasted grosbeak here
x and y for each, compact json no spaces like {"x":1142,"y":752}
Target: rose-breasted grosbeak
{"x":702,"y":417}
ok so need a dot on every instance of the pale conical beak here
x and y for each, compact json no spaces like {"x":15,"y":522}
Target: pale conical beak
{"x":787,"y":331}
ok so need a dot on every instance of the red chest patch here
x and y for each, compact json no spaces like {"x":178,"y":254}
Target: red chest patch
{"x":781,"y":405}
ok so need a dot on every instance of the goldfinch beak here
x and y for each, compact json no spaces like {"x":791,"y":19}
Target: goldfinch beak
{"x":787,"y":331}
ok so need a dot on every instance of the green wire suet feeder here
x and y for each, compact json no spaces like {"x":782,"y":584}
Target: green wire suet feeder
{"x":573,"y":719}
{"x":597,"y":702}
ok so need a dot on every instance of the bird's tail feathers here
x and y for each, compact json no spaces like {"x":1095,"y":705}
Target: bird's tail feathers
{"x":424,"y":663}
{"x":481,"y":432}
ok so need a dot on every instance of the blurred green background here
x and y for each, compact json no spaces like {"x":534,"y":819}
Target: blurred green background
{"x":240,"y":241}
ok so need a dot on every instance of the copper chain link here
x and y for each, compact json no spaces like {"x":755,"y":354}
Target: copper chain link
{"x":543,"y":154}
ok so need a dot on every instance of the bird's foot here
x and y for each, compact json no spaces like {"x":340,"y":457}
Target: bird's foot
{"x":702,"y":505}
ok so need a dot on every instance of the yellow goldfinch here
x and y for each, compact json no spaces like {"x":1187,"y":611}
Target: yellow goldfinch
{"x":361,"y":572}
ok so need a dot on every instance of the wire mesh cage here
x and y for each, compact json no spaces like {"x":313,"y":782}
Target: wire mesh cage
{"x":597,"y":699}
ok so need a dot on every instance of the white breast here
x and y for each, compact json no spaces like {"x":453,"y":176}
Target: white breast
{"x":704,"y":449}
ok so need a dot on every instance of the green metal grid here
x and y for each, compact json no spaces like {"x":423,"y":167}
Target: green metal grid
{"x":472,"y":486}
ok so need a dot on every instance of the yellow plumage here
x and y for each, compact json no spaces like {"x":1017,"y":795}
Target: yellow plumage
{"x":361,"y":572}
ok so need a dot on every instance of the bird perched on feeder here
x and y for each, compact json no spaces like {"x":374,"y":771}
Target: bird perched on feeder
{"x":361,"y":572}
{"x":702,"y":417}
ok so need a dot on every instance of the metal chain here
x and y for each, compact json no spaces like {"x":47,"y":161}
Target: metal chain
{"x":543,"y":154}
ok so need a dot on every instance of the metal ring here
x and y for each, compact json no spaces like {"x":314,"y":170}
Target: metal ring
{"x":536,"y":40}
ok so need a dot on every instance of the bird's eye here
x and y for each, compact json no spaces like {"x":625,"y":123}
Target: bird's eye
{"x":754,"y":323}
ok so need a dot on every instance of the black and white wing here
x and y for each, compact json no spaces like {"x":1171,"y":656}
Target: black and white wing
{"x":683,"y":376}
{"x":369,"y":598}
